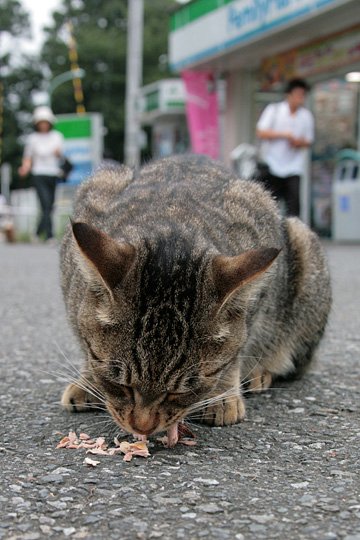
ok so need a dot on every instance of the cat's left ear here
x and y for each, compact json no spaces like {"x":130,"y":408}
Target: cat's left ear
{"x":231,"y":273}
{"x":110,"y":260}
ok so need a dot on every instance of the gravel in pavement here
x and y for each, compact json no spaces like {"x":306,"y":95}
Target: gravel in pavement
{"x":289,"y":471}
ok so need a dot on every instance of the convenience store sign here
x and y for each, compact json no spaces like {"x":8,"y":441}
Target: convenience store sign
{"x":79,"y":136}
{"x":206,"y":28}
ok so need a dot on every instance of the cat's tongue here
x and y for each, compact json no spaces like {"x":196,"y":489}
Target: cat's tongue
{"x":172,"y":435}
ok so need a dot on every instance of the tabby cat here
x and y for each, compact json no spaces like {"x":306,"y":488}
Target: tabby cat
{"x":181,"y":283}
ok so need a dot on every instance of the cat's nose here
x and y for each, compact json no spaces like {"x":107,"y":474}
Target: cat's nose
{"x":137,"y":431}
{"x":140,"y":431}
{"x":145,"y":425}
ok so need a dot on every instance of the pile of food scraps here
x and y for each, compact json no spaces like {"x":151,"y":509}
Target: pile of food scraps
{"x":100,"y":447}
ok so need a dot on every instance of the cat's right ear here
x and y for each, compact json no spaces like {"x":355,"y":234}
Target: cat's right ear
{"x":109,"y":260}
{"x":231,"y":273}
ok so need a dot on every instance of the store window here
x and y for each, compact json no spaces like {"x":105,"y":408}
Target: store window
{"x":335,"y":107}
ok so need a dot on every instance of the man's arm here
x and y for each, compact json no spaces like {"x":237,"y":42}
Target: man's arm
{"x":300,"y":142}
{"x":271,"y":134}
{"x":308,"y":133}
{"x":264,"y":128}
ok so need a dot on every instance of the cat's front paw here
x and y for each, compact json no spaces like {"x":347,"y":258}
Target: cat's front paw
{"x":77,"y":399}
{"x":224,"y":412}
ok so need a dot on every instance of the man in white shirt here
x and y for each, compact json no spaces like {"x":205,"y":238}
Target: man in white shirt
{"x":286,"y":130}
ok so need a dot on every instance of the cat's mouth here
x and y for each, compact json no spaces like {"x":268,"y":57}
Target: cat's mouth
{"x":172,"y":432}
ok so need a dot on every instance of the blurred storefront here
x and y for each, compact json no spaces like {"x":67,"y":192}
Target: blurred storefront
{"x":334,"y":101}
{"x":162,"y":109}
{"x":257,"y":45}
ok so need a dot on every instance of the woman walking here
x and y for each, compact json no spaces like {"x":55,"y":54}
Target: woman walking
{"x":42,"y":153}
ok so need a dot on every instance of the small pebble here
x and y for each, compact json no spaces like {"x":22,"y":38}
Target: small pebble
{"x":69,"y":531}
{"x":207,"y":481}
{"x":52,"y":478}
{"x":210,"y":508}
{"x":262,"y":518}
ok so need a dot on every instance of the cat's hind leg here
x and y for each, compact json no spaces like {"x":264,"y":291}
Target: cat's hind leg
{"x":80,"y":397}
{"x":259,"y":380}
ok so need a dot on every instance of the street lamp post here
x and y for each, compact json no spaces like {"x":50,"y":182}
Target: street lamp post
{"x":62,"y":78}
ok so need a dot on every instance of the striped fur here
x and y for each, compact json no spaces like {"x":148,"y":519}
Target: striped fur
{"x":182,"y":280}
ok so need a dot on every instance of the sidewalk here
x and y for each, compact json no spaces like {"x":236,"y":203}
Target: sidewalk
{"x":290,"y":471}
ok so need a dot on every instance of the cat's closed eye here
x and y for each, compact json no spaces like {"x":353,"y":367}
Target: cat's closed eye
{"x":171,"y":396}
{"x":115,"y":369}
{"x":128,"y":391}
{"x":117,"y":390}
{"x":94,"y":356}
{"x":179,"y":397}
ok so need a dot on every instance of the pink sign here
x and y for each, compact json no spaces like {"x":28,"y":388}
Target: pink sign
{"x":202,"y":112}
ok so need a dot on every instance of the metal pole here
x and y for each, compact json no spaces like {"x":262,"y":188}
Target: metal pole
{"x":5,"y":172}
{"x":133,"y":81}
{"x":358,"y":114}
{"x":305,"y":191}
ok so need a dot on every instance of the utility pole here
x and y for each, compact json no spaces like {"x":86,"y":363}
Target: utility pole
{"x":133,"y":81}
{"x":74,"y":66}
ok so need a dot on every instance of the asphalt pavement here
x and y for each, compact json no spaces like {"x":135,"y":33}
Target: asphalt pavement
{"x":289,"y":471}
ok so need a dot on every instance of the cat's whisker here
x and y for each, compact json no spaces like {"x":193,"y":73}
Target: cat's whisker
{"x":232,"y":392}
{"x":221,"y":396}
{"x":69,"y":364}
{"x":80,"y":383}
{"x":77,"y":382}
{"x":58,"y":375}
{"x":203,"y":407}
{"x":65,"y":373}
{"x":91,"y":407}
{"x":68,"y":376}
{"x":82,"y":376}
{"x":102,"y":420}
{"x":188,"y":421}
{"x":270,"y":389}
{"x":84,"y":383}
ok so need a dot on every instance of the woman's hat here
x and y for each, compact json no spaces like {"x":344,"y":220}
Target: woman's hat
{"x":43,"y":113}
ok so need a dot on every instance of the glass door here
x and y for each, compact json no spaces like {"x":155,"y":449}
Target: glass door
{"x":334,"y":104}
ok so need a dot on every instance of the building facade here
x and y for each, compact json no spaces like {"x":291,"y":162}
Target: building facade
{"x":256,"y":46}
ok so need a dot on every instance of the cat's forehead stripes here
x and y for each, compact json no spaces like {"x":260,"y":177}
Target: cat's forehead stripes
{"x":168,"y":300}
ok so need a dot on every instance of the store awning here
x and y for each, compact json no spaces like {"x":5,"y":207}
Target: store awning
{"x":226,"y":34}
